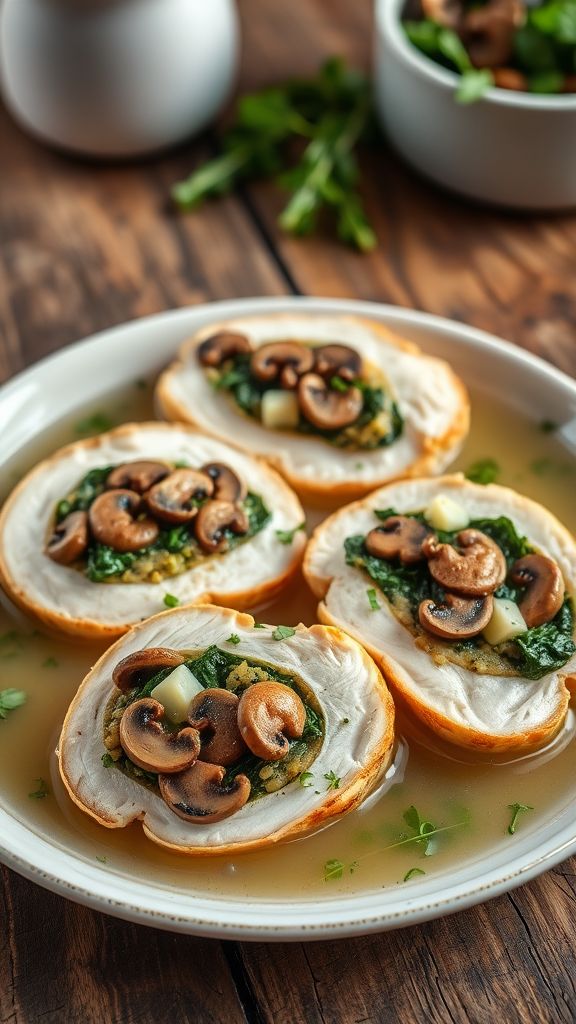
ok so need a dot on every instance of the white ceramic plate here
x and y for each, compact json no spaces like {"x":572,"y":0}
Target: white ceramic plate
{"x":84,"y":373}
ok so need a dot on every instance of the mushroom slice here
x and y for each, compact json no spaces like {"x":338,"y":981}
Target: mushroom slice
{"x":476,"y":567}
{"x":399,"y":537}
{"x":149,"y":746}
{"x":269,"y":714}
{"x":337,"y":360}
{"x":69,"y":538}
{"x":112,"y":517}
{"x":470,"y":692}
{"x":544,"y":595}
{"x":172,"y":498}
{"x":213,"y":519}
{"x":222,"y":346}
{"x":447,"y":13}
{"x":137,"y":476}
{"x":488,"y":32}
{"x":137,"y":668}
{"x":197,"y":795}
{"x":227,"y":486}
{"x":326,"y":408}
{"x":456,"y":618}
{"x":287,"y":360}
{"x":215,"y":714}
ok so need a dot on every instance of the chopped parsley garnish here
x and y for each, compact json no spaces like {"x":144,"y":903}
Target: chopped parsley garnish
{"x":333,"y":869}
{"x":424,"y":834}
{"x":412,"y":873}
{"x":287,"y":536}
{"x":283,"y":632}
{"x":107,"y":760}
{"x":517,"y":810}
{"x":372,"y":599}
{"x":484,"y":471}
{"x":258,"y":625}
{"x":333,"y":780}
{"x":10,"y":700}
{"x":171,"y":601}
{"x":233,"y":639}
{"x":102,"y":860}
{"x":304,"y":779}
{"x":41,"y":790}
{"x":97,"y":423}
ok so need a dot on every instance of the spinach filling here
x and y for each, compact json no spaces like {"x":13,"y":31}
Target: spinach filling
{"x":172,"y":553}
{"x":212,"y":668}
{"x":532,"y":655}
{"x":379,"y":424}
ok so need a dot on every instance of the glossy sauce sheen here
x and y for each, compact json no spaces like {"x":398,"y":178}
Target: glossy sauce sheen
{"x":441,"y":783}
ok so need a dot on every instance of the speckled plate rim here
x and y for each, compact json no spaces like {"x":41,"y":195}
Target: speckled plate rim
{"x":88,"y":370}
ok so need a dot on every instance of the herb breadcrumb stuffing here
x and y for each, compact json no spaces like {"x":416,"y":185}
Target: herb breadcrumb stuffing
{"x":243,"y":675}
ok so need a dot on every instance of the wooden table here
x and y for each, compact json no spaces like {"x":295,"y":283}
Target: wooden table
{"x":86,"y":246}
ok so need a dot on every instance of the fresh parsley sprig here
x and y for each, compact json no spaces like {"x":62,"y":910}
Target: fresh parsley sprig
{"x":331,"y":113}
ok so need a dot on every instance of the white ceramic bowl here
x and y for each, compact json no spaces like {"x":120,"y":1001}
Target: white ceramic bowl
{"x":77,"y":377}
{"x":513,"y":149}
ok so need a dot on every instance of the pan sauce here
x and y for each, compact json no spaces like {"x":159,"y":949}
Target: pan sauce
{"x":440,"y":783}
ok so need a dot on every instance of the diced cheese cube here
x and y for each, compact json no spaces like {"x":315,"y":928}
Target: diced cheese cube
{"x":506,"y":622}
{"x":280,"y":409}
{"x":443,"y":513}
{"x":176,"y":691}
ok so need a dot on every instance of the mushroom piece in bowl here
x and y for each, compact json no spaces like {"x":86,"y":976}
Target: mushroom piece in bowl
{"x":221,"y":734}
{"x":511,"y":148}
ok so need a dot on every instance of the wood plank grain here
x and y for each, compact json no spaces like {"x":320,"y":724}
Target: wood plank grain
{"x":65,"y":964}
{"x":86,"y":246}
{"x":487,"y":964}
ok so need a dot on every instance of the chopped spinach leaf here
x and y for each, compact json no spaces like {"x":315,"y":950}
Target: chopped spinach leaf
{"x":313,"y":724}
{"x":287,"y":536}
{"x":546,"y":648}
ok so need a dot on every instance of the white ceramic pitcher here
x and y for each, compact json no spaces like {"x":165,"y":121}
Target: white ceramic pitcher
{"x":116,"y":77}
